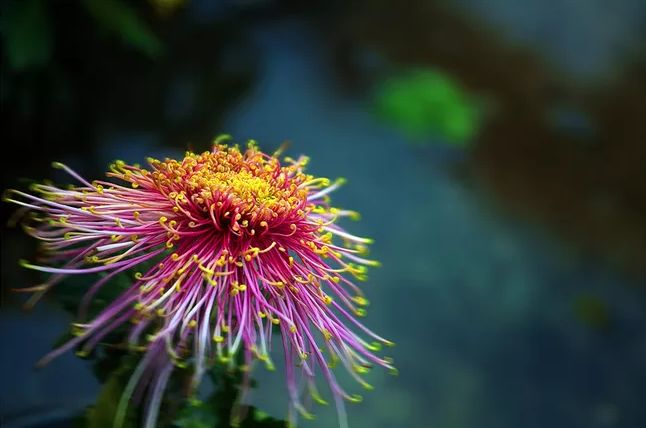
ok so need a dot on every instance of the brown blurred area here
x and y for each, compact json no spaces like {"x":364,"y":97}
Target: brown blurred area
{"x":585,"y":180}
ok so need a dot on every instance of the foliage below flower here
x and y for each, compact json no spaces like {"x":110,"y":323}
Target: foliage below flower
{"x":230,"y":245}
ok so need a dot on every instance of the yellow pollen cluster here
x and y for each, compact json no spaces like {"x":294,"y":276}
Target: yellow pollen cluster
{"x":250,"y":186}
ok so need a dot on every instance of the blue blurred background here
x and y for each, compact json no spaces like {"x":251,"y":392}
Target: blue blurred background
{"x":496,"y":150}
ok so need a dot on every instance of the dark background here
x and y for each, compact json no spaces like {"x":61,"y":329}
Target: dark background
{"x":514,"y":256}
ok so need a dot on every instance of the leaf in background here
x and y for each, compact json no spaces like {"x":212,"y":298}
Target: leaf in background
{"x":428,"y":103}
{"x":107,"y":360}
{"x":217,"y":415}
{"x":120,"y":18}
{"x":27,"y":33}
{"x":216,"y":410}
{"x":101,"y":414}
{"x":197,"y":415}
{"x":166,"y":8}
{"x":259,"y":419}
{"x":592,"y":311}
{"x":70,"y":292}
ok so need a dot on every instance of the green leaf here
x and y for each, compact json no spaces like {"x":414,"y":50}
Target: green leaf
{"x":428,"y":103}
{"x":120,"y":18}
{"x":70,"y":292}
{"x":259,"y":419}
{"x":217,"y":410}
{"x":592,"y":311}
{"x":196,"y":415}
{"x":101,"y":414}
{"x":106,"y":361}
{"x":27,"y":33}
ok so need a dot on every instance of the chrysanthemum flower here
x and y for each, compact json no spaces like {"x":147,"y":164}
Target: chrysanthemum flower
{"x":235,"y":245}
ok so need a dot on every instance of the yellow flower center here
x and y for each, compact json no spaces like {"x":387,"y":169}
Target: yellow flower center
{"x":250,"y":185}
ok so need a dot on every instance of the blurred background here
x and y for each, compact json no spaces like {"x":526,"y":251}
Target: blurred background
{"x":496,"y":150}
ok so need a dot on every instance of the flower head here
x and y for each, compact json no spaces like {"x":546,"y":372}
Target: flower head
{"x":228,"y":246}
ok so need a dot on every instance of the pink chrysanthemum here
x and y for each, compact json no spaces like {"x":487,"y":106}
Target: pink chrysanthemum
{"x":239,"y":245}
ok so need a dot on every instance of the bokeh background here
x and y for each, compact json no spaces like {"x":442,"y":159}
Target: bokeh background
{"x":496,"y":150}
